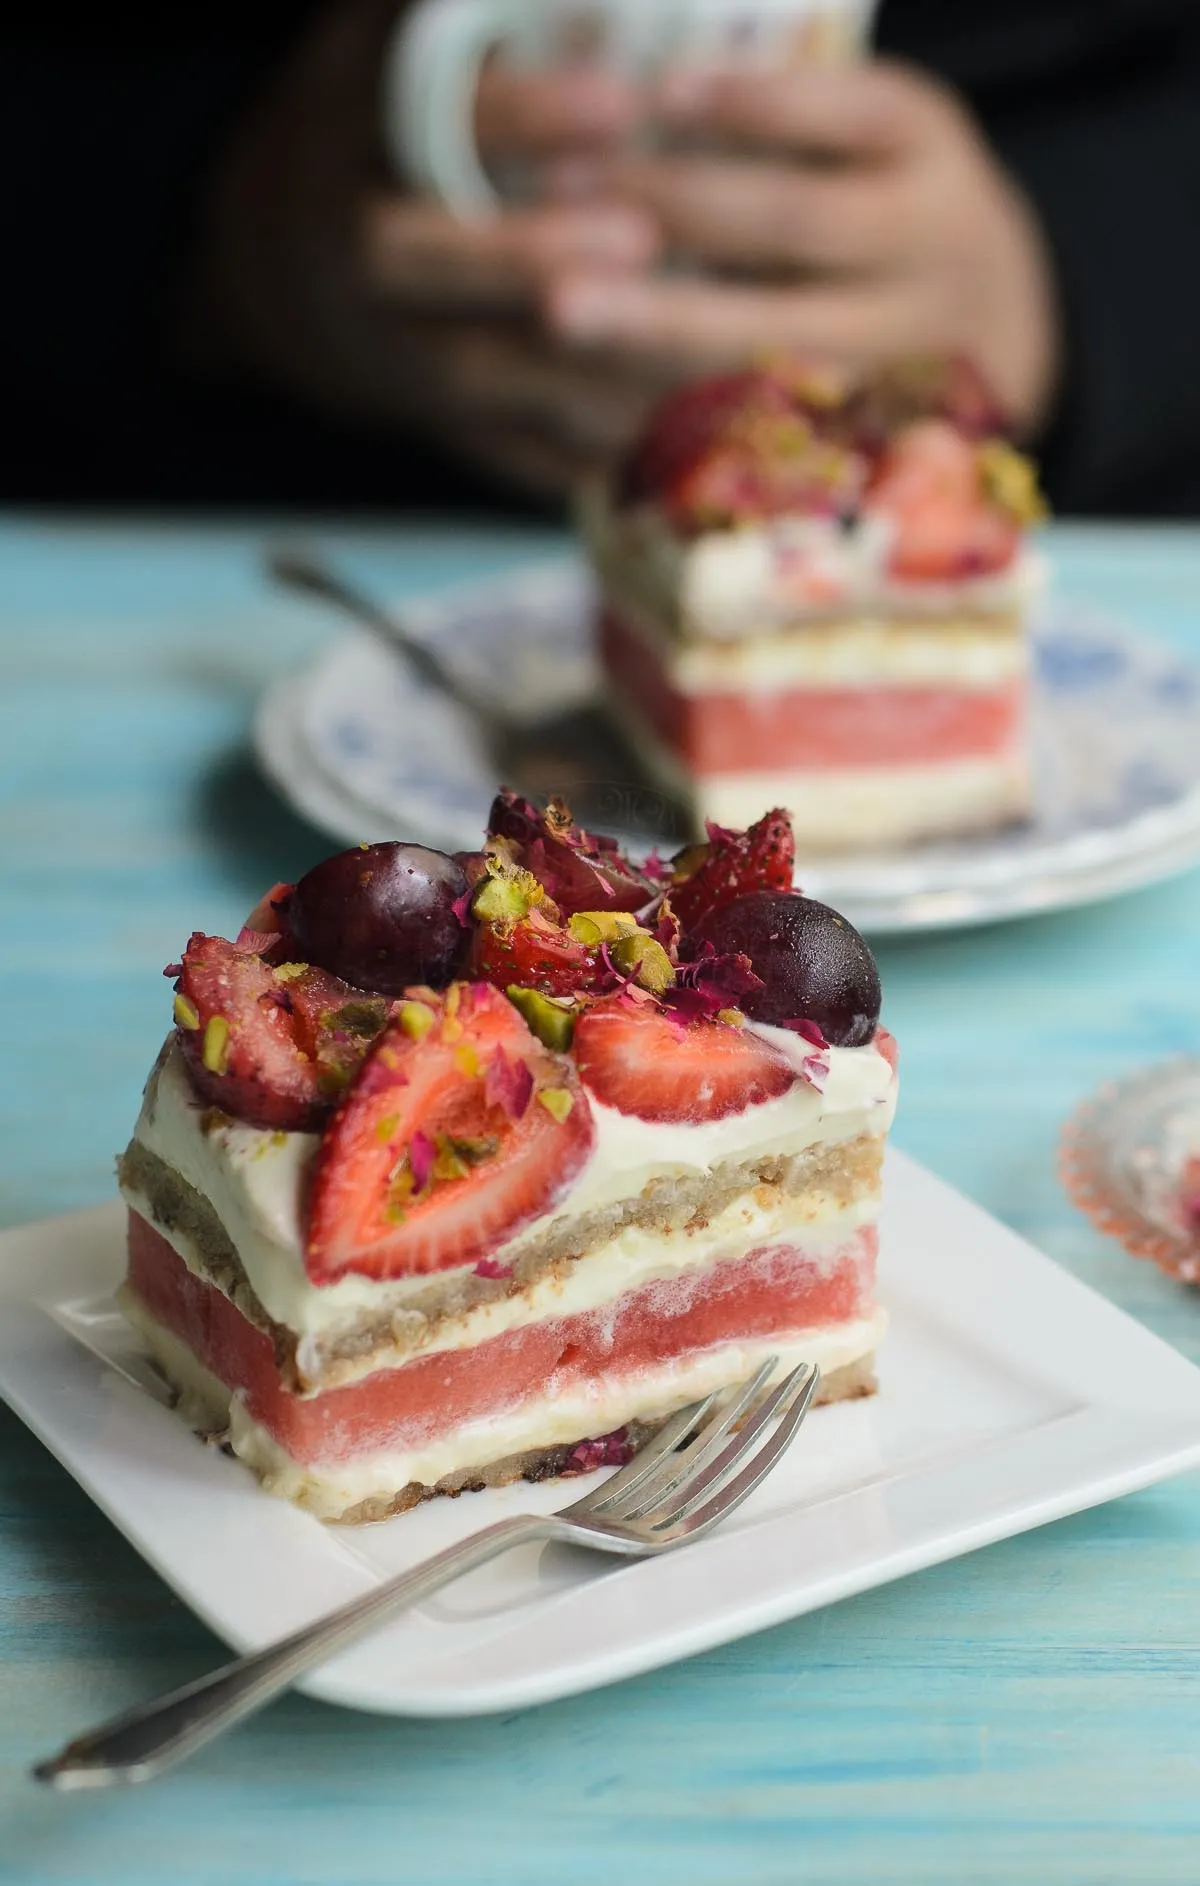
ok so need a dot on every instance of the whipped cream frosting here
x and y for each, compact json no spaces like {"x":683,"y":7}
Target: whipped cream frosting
{"x":255,"y":1180}
{"x":733,"y":583}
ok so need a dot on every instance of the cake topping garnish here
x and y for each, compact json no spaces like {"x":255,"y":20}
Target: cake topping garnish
{"x":270,"y":1049}
{"x":576,"y":869}
{"x":381,"y":916}
{"x":550,"y":1018}
{"x":712,"y":986}
{"x":706,"y":876}
{"x":787,"y":441}
{"x":380,"y":1207}
{"x":636,"y":992}
{"x":641,"y":1060}
{"x":814,"y":968}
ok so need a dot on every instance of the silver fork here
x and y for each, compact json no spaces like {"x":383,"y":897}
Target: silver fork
{"x":681,"y":1484}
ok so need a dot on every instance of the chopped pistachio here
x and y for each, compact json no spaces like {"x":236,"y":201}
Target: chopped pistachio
{"x":216,"y":1042}
{"x":288,"y":972}
{"x":553,"y":1022}
{"x":641,"y":957}
{"x":386,"y":1127}
{"x":416,"y":1020}
{"x":732,"y":1017}
{"x":358,"y":1018}
{"x":332,"y":1080}
{"x":448,"y":1164}
{"x":467,"y":1061}
{"x":557,"y":1101}
{"x":452,"y":1029}
{"x":687,"y":862}
{"x":474,"y":1151}
{"x":593,"y":927}
{"x":185,"y":1014}
{"x":1010,"y":481}
{"x":507,"y":896}
{"x":453,"y":998}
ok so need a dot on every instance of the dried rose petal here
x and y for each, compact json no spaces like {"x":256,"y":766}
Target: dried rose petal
{"x":508,"y":1084}
{"x":816,"y":1071}
{"x":421,"y":1156}
{"x":809,"y":1031}
{"x":703,"y":988}
{"x":608,"y":1450}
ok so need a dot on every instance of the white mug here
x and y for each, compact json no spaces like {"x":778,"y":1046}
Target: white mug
{"x":439,"y":49}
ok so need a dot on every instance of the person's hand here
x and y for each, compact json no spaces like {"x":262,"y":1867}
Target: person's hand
{"x":852,"y":215}
{"x":318,"y":275}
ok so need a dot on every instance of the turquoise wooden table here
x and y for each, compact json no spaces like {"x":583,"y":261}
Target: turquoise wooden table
{"x":1027,"y":1714}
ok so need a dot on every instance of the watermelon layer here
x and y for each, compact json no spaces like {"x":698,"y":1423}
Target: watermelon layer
{"x":819,"y":728}
{"x":773,"y":1290}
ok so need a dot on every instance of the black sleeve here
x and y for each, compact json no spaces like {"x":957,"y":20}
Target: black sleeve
{"x":1095,"y":108}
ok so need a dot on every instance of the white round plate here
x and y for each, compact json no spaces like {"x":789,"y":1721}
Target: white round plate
{"x":365,"y":751}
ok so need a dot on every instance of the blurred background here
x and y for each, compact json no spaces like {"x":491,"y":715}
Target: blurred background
{"x":219,"y":293}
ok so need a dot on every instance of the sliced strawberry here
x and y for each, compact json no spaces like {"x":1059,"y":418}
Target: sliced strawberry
{"x":272,"y":1046}
{"x":888,"y":1048}
{"x":779,"y":465}
{"x":929,"y":485}
{"x":538,"y":953}
{"x":732,"y":864}
{"x":455,"y":1136}
{"x":688,"y":423}
{"x":577,"y":869}
{"x":635,"y":1057}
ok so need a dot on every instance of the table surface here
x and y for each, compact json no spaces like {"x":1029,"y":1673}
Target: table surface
{"x":1030,"y":1713}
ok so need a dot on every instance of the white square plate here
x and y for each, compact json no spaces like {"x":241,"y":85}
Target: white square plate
{"x":1011,"y":1395}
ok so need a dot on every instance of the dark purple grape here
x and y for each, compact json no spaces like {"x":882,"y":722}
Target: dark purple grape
{"x":382,"y":917}
{"x":814,"y":965}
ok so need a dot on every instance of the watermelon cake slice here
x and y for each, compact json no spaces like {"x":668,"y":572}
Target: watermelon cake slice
{"x":460,"y":1169}
{"x":815,"y":591}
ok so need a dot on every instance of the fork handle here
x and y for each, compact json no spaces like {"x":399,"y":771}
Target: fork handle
{"x":141,"y":1742}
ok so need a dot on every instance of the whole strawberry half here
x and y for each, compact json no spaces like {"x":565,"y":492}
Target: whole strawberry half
{"x":460,"y":1129}
{"x":929,"y":485}
{"x":707,"y":877}
{"x":273,"y":1045}
{"x":537,"y":954}
{"x":636,"y":1057}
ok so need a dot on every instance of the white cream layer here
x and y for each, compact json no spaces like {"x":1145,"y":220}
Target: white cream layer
{"x":864,"y":650}
{"x":553,"y":1420}
{"x":728,"y":584}
{"x":255,"y":1180}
